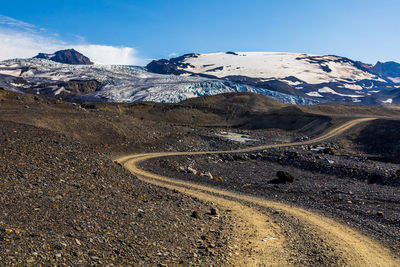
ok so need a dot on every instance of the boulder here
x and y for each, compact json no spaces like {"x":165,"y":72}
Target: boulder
{"x":195,"y":214}
{"x":214,"y":211}
{"x":329,"y":151}
{"x":284,"y":177}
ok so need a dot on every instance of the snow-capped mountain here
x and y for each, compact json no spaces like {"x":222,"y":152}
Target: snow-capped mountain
{"x":327,"y":78}
{"x":117,"y":83}
{"x":286,"y":77}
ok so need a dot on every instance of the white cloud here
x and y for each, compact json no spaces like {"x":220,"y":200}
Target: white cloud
{"x":22,"y":40}
{"x":109,"y":54}
{"x":15,"y":23}
{"x":174,"y":54}
{"x":22,"y":45}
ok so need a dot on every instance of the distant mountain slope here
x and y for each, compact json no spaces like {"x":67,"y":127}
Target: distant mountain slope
{"x":104,"y":83}
{"x":327,"y":78}
{"x":285,"y":77}
{"x":390,"y":69}
{"x":310,"y":69}
{"x":68,"y":56}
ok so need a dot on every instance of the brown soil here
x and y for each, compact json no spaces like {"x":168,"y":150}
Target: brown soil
{"x":59,"y":184}
{"x":65,"y":203}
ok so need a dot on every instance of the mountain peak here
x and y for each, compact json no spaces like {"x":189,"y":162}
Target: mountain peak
{"x":389,"y":69}
{"x":67,"y":56}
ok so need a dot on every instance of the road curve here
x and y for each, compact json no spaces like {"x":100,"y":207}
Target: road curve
{"x":263,"y":242}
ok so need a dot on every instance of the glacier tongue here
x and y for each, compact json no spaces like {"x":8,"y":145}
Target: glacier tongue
{"x":176,"y":92}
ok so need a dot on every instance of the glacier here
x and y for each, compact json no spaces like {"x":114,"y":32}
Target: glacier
{"x":122,"y":83}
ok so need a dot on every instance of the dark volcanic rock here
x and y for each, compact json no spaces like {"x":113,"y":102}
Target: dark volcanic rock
{"x":214,"y":211}
{"x":164,"y":66}
{"x":329,"y":151}
{"x":68,"y":56}
{"x":195,"y":214}
{"x":72,"y":89}
{"x":283,"y":177}
{"x":64,"y":203}
{"x":326,"y":68}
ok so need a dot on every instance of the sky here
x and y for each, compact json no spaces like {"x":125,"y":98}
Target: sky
{"x":137,"y":31}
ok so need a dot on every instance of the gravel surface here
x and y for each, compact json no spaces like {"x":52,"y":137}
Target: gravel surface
{"x":65,"y":204}
{"x":357,"y":191}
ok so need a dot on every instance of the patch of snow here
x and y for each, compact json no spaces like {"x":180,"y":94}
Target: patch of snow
{"x":15,"y":73}
{"x":394,"y":79}
{"x":353,"y":86}
{"x":326,"y":90}
{"x":241,"y":138}
{"x":369,"y":87}
{"x":388,"y":101}
{"x":315,"y":94}
{"x":318,"y":149}
{"x":60,"y":90}
{"x":28,"y":73}
{"x":291,"y":83}
{"x":17,"y":84}
{"x":331,"y":91}
{"x":20,"y":85}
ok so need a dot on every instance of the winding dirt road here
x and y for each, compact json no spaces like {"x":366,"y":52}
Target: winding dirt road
{"x":264,"y":242}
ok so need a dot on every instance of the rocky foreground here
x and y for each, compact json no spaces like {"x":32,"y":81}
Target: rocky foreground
{"x":353,"y":189}
{"x":65,"y":204}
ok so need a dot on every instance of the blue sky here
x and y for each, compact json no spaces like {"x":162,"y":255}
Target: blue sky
{"x":133,"y":32}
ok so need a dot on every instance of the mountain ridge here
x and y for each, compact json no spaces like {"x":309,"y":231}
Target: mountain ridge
{"x":294,"y":78}
{"x":329,"y":78}
{"x":389,"y":69}
{"x":67,"y":56}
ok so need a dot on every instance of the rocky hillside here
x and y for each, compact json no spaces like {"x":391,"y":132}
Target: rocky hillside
{"x":68,"y":56}
{"x":390,"y":69}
